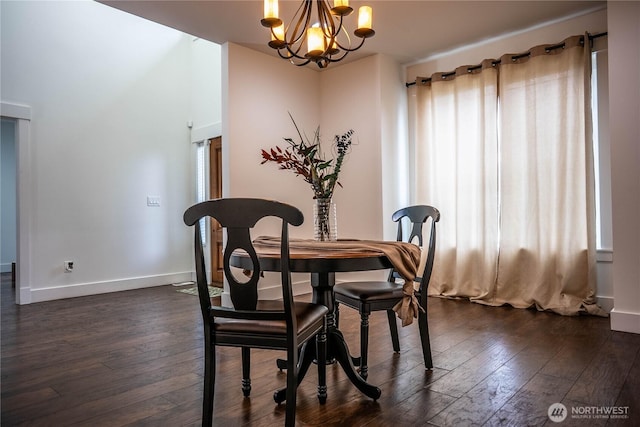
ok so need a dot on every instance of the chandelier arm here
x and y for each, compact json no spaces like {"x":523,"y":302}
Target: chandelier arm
{"x":331,"y":32}
{"x":326,"y":20}
{"x":302,"y":64}
{"x":292,"y":60}
{"x":334,"y":58}
{"x":292,"y":57}
{"x":295,"y":42}
{"x":349,"y":49}
{"x":299,"y":35}
{"x":289,"y":54}
{"x":294,"y":37}
{"x":292,"y":54}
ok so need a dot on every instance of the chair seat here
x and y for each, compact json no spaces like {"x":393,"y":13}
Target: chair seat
{"x":308,"y":316}
{"x":369,"y":291}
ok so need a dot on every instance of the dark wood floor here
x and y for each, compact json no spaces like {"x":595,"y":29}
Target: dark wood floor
{"x":135,"y":358}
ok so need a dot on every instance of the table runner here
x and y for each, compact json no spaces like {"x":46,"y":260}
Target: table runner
{"x":405,"y":257}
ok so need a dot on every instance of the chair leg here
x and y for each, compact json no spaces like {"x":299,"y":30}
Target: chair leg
{"x":209,"y":382}
{"x":336,"y":315}
{"x":393,"y":328}
{"x":321,"y":354}
{"x":246,"y":371}
{"x":364,"y":344}
{"x":292,"y":385}
{"x":424,"y":338}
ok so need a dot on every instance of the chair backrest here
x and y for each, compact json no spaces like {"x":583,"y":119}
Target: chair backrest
{"x":417,"y":216}
{"x":237,"y":216}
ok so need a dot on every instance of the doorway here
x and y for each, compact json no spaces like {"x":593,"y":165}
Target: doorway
{"x":215,"y":192}
{"x":8,"y":193}
{"x":20,"y":115}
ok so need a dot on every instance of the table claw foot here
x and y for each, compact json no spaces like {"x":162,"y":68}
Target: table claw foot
{"x":344,"y":358}
{"x":281,"y":364}
{"x":355,"y":360}
{"x":280,"y":396}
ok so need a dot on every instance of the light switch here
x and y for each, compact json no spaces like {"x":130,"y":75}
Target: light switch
{"x":153,"y":201}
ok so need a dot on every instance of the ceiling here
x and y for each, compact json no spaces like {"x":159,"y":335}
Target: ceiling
{"x":406,"y":30}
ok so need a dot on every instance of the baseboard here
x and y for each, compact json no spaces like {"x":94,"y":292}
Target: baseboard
{"x":275,"y":292}
{"x":625,"y":322}
{"x":303,"y":286}
{"x":93,"y":288}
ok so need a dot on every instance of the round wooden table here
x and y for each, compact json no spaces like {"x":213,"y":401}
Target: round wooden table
{"x":322,"y":264}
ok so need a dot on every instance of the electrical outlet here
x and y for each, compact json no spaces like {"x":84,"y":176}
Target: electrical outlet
{"x":68,"y":266}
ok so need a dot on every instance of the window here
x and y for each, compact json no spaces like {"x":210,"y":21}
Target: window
{"x":601,"y":148}
{"x":201,"y":184}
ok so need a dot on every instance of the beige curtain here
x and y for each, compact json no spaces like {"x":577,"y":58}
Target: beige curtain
{"x":546,"y":254}
{"x":517,"y":222}
{"x":456,"y":171}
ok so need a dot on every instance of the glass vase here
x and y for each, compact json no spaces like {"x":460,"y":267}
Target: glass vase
{"x":325,"y":222}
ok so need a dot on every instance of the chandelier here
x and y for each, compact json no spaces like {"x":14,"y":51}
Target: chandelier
{"x":325,"y":40}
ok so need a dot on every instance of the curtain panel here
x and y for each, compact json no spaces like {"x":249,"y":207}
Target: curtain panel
{"x":456,"y":171}
{"x":503,"y":150}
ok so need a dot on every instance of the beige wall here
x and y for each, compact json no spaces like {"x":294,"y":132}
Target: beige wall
{"x":360,"y":200}
{"x":262,"y":89}
{"x":474,"y":53}
{"x":624,"y":107}
{"x":259,"y":92}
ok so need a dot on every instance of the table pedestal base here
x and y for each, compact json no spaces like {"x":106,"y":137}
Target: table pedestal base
{"x":337,"y":349}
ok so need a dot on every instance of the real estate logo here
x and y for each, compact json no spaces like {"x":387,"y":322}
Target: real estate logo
{"x":557,"y":412}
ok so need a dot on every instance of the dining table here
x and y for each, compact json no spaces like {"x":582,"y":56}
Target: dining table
{"x":322,"y":260}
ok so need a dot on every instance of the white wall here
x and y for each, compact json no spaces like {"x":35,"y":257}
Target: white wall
{"x":206,"y":90}
{"x":110,"y":100}
{"x":624,"y":108}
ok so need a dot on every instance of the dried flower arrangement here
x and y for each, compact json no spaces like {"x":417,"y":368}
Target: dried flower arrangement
{"x":306,"y":159}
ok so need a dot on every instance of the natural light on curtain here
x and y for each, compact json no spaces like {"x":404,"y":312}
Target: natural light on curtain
{"x":456,"y":171}
{"x":504,"y":152}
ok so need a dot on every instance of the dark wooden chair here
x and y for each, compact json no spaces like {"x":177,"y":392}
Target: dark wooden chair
{"x":253,"y":323}
{"x":368,"y":296}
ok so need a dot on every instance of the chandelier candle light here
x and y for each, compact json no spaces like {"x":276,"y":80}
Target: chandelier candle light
{"x":326,"y":40}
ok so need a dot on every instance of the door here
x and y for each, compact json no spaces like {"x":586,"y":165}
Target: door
{"x":215,"y":173}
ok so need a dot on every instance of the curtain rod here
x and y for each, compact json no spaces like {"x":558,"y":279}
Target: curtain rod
{"x":494,"y":63}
